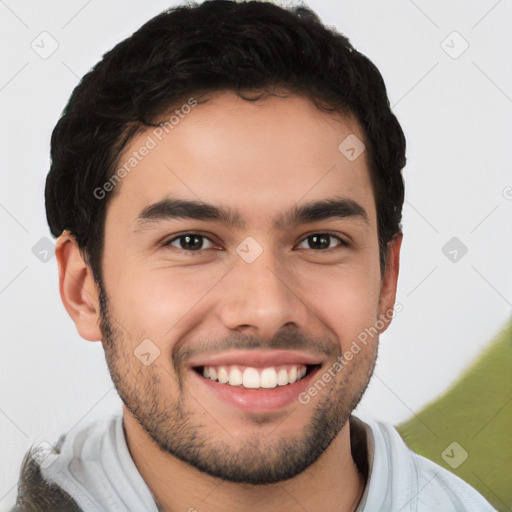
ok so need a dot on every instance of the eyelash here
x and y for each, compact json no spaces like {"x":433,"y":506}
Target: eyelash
{"x":342,"y":243}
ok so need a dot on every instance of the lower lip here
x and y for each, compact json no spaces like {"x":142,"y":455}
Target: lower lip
{"x":258,"y":400}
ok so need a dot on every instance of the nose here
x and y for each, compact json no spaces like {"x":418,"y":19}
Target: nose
{"x":260,"y":298}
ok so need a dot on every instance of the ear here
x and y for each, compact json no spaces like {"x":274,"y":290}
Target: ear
{"x":78,"y":290}
{"x":389,"y":281}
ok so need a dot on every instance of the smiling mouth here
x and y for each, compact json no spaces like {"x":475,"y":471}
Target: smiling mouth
{"x":248,"y":377}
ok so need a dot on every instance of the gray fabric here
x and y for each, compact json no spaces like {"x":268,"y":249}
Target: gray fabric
{"x":37,"y":495}
{"x":92,"y":471}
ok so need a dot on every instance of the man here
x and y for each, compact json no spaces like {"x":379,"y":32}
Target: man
{"x":226,"y":191}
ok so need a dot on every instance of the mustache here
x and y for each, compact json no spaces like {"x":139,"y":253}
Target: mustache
{"x":283,"y":340}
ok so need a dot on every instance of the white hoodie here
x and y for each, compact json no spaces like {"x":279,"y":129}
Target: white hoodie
{"x":95,"y":468}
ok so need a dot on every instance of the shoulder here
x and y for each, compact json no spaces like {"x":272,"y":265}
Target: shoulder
{"x":36,"y":493}
{"x":37,"y":490}
{"x":407,"y":481}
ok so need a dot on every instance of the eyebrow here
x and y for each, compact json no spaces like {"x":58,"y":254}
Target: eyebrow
{"x":325,"y":209}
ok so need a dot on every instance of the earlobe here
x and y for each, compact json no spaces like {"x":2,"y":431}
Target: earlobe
{"x":78,"y":290}
{"x":389,"y":280}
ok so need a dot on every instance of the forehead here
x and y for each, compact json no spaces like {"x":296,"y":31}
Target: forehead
{"x":260,"y":157}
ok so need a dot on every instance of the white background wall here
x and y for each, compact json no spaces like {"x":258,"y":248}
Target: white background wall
{"x":456,"y":115}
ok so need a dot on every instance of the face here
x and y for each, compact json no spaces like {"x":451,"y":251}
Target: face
{"x":262,"y":285}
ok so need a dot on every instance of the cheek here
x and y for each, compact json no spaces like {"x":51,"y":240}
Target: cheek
{"x":151,"y":302}
{"x":345,"y":302}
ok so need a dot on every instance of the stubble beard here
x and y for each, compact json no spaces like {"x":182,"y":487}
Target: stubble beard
{"x":256,"y":459}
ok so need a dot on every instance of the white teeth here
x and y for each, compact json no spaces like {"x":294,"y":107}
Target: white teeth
{"x":252,"y":378}
{"x":235,"y":377}
{"x":282,"y":377}
{"x":223,"y":375}
{"x":268,"y":378}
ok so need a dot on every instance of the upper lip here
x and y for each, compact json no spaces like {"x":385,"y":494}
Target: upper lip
{"x":253,"y":358}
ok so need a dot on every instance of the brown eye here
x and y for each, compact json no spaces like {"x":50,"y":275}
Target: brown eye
{"x":322,"y":241}
{"x":188,"y":242}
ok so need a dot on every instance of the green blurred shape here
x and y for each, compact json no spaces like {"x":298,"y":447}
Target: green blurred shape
{"x":475,"y":413}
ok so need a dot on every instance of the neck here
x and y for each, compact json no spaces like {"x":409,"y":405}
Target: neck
{"x":331,"y":483}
